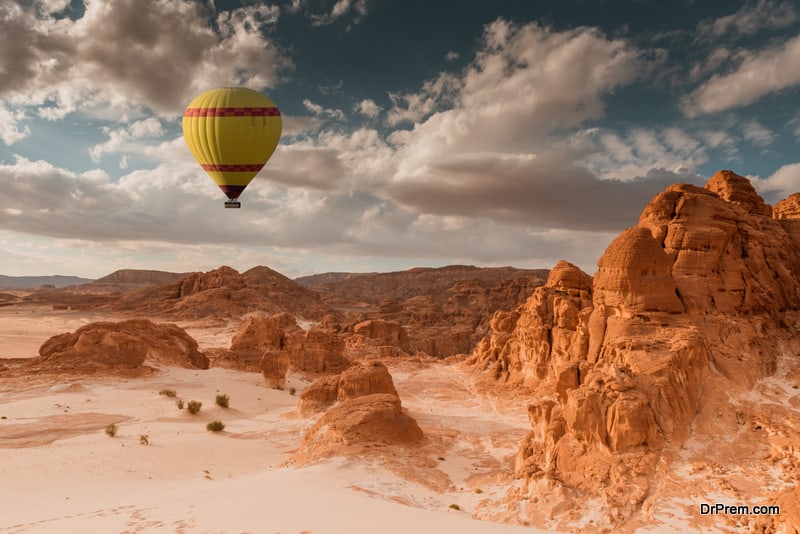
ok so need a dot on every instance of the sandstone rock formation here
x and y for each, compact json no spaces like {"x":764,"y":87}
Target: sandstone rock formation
{"x":357,"y":381}
{"x":224,"y":293}
{"x":700,"y":298}
{"x":379,"y":337}
{"x":363,"y":410}
{"x":443,"y":311}
{"x":126,"y":344}
{"x":273,"y":344}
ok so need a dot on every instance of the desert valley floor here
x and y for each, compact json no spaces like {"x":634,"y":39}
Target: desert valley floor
{"x":64,"y":474}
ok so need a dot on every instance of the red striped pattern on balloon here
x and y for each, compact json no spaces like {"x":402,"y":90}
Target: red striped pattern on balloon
{"x":215,"y":167}
{"x":232,"y":112}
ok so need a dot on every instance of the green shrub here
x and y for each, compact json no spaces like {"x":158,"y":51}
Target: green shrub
{"x":167,"y":392}
{"x":179,"y":404}
{"x":144,"y":439}
{"x":215,"y":426}
{"x":111,"y":430}
{"x":455,"y":507}
{"x":222,"y":401}
{"x":194,"y":407}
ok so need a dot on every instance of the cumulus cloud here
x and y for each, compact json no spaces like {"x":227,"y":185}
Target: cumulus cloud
{"x":490,"y":142}
{"x":493,"y":161}
{"x":757,"y":75}
{"x":126,"y":54}
{"x":782,"y":183}
{"x":368,"y":108}
{"x":174,"y":204}
{"x":10,"y":129}
{"x":543,"y":191}
{"x":124,"y":139}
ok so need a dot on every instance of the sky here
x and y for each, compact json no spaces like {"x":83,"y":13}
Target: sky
{"x":415,"y":133}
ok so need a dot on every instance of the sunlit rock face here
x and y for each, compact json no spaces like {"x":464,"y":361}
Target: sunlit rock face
{"x":701,"y":297}
{"x":121,"y":345}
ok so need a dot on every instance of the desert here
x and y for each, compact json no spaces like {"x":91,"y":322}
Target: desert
{"x":367,"y":266}
{"x":454,"y":399}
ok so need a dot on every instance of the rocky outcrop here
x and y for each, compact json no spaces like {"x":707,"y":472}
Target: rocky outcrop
{"x":274,"y":344}
{"x":379,"y":337}
{"x":363,"y":409}
{"x":224,"y":293}
{"x":126,"y":344}
{"x":701,"y":296}
{"x":355,"y":423}
{"x":545,"y":336}
{"x":443,"y":311}
{"x":315,"y":351}
{"x":357,"y":381}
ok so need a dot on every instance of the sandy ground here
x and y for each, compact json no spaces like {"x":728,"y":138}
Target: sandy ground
{"x":62,"y":473}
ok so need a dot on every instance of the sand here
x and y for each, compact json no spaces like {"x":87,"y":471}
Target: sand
{"x":63,"y":473}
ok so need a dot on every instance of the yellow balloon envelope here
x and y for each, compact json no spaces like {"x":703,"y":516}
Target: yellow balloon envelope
{"x":232,"y":132}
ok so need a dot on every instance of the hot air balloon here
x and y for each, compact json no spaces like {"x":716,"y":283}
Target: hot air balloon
{"x":232,"y":132}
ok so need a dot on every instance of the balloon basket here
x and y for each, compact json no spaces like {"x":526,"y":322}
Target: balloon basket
{"x":233,"y":204}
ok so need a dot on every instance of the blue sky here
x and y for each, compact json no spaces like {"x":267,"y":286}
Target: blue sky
{"x":416,"y":133}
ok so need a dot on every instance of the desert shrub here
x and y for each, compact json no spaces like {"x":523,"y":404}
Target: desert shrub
{"x":179,"y":404}
{"x":111,"y":430}
{"x":167,"y":392}
{"x":278,"y":387}
{"x":222,"y":401}
{"x":215,"y":426}
{"x":455,"y":507}
{"x":144,"y":439}
{"x":194,"y":407}
{"x":478,"y":490}
{"x":292,"y":391}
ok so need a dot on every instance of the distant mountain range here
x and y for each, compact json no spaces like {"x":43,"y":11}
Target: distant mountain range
{"x":33,"y":282}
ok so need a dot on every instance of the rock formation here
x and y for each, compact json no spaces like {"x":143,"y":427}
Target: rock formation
{"x":700,"y":299}
{"x":357,"y":381}
{"x":443,"y":311}
{"x":126,"y":344}
{"x":363,"y":409}
{"x":379,"y":337}
{"x":273,"y":344}
{"x":224,"y":293}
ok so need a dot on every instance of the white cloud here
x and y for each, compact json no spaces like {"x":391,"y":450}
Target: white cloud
{"x":751,"y":19}
{"x":368,"y":108}
{"x":320,"y":111}
{"x":712,"y":63}
{"x":10,"y":129}
{"x":124,"y":139}
{"x":434,"y":95}
{"x":783,"y":182}
{"x":626,"y":158}
{"x":452,"y":55}
{"x":126,"y":54}
{"x":757,"y":133}
{"x":491,"y":142}
{"x":759,"y":74}
{"x":340,"y":9}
